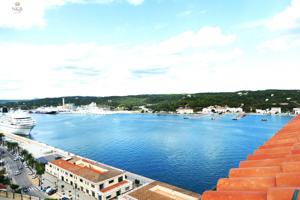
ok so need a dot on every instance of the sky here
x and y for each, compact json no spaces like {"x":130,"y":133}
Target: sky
{"x":52,"y":48}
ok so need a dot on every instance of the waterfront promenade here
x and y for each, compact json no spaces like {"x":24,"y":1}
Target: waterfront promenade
{"x":40,"y":150}
{"x":272,"y":172}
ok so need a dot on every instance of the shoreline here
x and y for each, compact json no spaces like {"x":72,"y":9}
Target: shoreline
{"x":39,"y":150}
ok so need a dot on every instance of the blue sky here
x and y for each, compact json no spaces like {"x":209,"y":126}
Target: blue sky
{"x":120,"y":47}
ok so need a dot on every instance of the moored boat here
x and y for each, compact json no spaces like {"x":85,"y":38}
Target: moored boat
{"x":16,"y":123}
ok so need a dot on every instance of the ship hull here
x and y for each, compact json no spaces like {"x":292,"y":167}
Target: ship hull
{"x":19,"y":130}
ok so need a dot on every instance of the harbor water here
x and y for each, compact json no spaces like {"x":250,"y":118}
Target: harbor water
{"x":188,"y":152}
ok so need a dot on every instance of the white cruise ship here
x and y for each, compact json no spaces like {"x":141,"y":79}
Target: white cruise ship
{"x":16,"y":123}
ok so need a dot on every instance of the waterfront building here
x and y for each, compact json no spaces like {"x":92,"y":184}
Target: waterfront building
{"x":296,"y":111}
{"x":220,"y":109}
{"x":184,"y":111}
{"x":161,"y":191}
{"x":234,"y":110}
{"x":94,"y":179}
{"x":275,"y":110}
{"x":261,"y":111}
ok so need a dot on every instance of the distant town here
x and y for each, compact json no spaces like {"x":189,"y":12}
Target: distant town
{"x":262,"y":102}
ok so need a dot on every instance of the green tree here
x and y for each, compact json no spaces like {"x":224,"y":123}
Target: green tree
{"x":14,"y":187}
{"x":40,"y":170}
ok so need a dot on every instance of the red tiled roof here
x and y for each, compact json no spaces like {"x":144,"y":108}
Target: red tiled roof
{"x":272,"y":172}
{"x":113,"y":186}
{"x":86,"y":172}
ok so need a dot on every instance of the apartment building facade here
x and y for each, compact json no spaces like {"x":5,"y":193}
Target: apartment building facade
{"x":94,"y":179}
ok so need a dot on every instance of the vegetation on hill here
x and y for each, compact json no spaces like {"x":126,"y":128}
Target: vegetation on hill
{"x":249,"y":100}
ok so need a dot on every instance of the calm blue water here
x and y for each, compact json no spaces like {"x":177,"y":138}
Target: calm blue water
{"x":189,"y":153}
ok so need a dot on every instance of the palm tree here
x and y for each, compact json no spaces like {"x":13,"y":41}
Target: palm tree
{"x":40,"y":170}
{"x":15,"y":146}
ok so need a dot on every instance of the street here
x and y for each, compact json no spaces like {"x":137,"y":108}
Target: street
{"x":22,"y":179}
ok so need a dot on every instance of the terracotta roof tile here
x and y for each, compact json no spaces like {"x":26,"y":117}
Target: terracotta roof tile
{"x":84,"y":171}
{"x":273,"y":169}
{"x":234,"y":195}
{"x":254,"y":172}
{"x":266,"y":156}
{"x":282,"y":193}
{"x":113,"y":186}
{"x":248,"y":184}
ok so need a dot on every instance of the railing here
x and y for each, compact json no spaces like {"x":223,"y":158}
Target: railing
{"x":17,"y":196}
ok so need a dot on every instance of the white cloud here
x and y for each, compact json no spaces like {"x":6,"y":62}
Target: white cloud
{"x":288,"y":19}
{"x":275,"y":44}
{"x":284,"y":27}
{"x":33,"y":11}
{"x":204,"y":38}
{"x":90,"y":69}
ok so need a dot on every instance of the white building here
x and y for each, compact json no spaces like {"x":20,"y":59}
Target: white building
{"x":261,"y":111}
{"x":220,"y":109}
{"x":275,"y":110}
{"x":208,"y":109}
{"x":94,"y":179}
{"x":234,"y":110}
{"x":296,"y":111}
{"x":185,"y":111}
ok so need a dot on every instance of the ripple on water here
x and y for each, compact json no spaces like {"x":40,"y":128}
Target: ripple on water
{"x":189,"y":153}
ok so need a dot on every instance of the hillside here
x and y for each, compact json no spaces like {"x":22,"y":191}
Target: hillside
{"x":249,"y":100}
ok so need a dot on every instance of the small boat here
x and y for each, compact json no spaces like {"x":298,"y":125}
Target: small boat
{"x":264,"y":119}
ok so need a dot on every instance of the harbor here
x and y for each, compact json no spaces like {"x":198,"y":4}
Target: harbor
{"x":133,"y":183}
{"x":180,"y":150}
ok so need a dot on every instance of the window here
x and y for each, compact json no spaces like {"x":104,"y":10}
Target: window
{"x":127,"y":188}
{"x":93,"y":194}
{"x":125,"y":176}
{"x":101,"y":186}
{"x":108,"y":197}
{"x":93,"y":186}
{"x":111,"y":181}
{"x":87,"y":191}
{"x":50,"y":165}
{"x":81,"y":180}
{"x":120,"y":179}
{"x":66,"y":173}
{"x":71,"y":175}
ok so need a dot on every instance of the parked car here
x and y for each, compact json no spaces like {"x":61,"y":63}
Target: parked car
{"x":52,"y":191}
{"x":63,"y":198}
{"x":25,"y":189}
{"x":16,"y":158}
{"x":45,"y":188}
{"x":48,"y":189}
